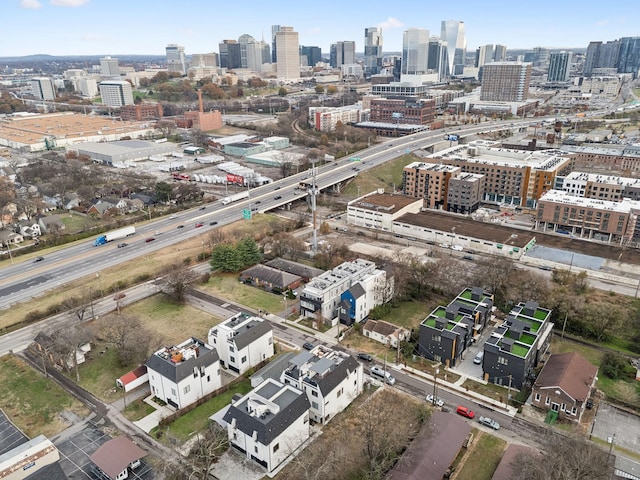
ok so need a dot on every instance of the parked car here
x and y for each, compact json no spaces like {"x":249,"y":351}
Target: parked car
{"x":122,"y":245}
{"x":366,"y":357}
{"x":383,"y":375}
{"x":478,"y":358}
{"x":308,"y":346}
{"x":488,"y":422}
{"x":438,"y":401}
{"x":38,"y":259}
{"x":465,"y":412}
{"x":150,"y":239}
{"x":468,"y":257}
{"x":199,"y":224}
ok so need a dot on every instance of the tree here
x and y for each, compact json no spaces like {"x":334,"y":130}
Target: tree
{"x":319,"y":89}
{"x":248,"y":252}
{"x":164,"y":191}
{"x":177,"y":280}
{"x":225,"y":258}
{"x":603,"y":319}
{"x":282,"y":92}
{"x":132,"y":340}
{"x":67,"y":343}
{"x":207,"y":449}
{"x":567,"y":458}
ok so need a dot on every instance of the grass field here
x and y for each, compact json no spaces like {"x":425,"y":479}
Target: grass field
{"x":384,"y":176}
{"x":32,"y":402}
{"x":482,"y":459}
{"x":227,"y":286}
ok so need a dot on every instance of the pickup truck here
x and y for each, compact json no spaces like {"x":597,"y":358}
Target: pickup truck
{"x":488,"y":422}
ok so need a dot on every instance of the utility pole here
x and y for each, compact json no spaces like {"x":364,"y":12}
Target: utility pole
{"x":509,"y":390}
{"x":313,"y":208}
{"x":435,"y":385}
{"x":564,"y":324}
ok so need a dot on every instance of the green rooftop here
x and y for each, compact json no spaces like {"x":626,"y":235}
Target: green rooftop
{"x":518,"y":350}
{"x":524,"y":338}
{"x":541,"y":314}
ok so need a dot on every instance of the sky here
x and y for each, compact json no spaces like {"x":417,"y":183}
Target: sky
{"x":145,"y":27}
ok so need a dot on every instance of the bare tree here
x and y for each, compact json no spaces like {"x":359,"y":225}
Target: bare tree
{"x":567,"y":458}
{"x":177,"y":280}
{"x":80,"y":306}
{"x":132,"y":340}
{"x":206,"y":451}
{"x":67,"y":344}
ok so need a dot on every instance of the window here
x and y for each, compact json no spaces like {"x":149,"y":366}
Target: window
{"x":208,"y":378}
{"x":314,"y":393}
{"x":232,"y":359}
{"x":173,"y":392}
{"x":537,"y":397}
{"x":270,"y":340}
{"x":187,"y":389}
{"x":503,"y":361}
{"x":314,"y":405}
{"x":276,"y":447}
{"x":244,"y":359}
{"x":255,"y":449}
{"x":547,"y":401}
{"x":231,"y":349}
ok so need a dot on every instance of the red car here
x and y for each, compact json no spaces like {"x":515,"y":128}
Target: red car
{"x":465,"y":412}
{"x":150,"y":239}
{"x":198,"y":225}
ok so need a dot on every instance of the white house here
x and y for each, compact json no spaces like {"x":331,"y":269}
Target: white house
{"x":331,"y":380}
{"x":385,"y":332}
{"x":269,"y":423}
{"x":242,"y":342}
{"x":356,"y":303}
{"x":182,"y":374}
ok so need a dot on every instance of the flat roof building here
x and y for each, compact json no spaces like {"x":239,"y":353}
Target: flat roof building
{"x":505,"y":81}
{"x":116,"y":93}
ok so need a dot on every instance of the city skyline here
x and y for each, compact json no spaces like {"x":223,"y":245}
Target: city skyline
{"x":91,"y":27}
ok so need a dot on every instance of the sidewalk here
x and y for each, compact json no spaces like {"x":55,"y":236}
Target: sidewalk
{"x":151,"y":421}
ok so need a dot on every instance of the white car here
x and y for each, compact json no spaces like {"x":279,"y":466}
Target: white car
{"x":489,"y":422}
{"x":438,"y":403}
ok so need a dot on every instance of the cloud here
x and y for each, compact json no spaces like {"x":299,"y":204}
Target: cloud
{"x":31,"y":4}
{"x":68,"y":3}
{"x":390,"y":23}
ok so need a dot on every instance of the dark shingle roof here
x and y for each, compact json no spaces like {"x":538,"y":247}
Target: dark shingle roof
{"x":179,"y":371}
{"x":571,"y":372}
{"x":330,"y":381}
{"x":270,"y":275}
{"x":357,"y":291}
{"x":251,"y":332}
{"x":508,"y":467}
{"x":273,"y":425}
{"x":295,"y":268}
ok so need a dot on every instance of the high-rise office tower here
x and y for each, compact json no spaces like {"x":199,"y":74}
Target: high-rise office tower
{"x":109,"y":67}
{"x":437,"y":60}
{"x":539,"y":56}
{"x":344,"y":53}
{"x":230,"y":56}
{"x":484,"y":54}
{"x":250,"y":53}
{"x":559,"y":66}
{"x":500,"y":53}
{"x":116,"y":93}
{"x":274,"y":56}
{"x":452,"y":31}
{"x":601,"y":55}
{"x":288,"y":53}
{"x":175,"y":59}
{"x":43,"y":88}
{"x":312,"y":55}
{"x":505,"y":82}
{"x":372,"y":50}
{"x":629,"y":56}
{"x":415,"y":51}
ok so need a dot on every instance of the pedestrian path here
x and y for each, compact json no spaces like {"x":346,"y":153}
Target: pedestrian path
{"x":148,"y":423}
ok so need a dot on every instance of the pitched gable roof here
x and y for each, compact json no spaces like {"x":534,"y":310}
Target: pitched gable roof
{"x":178,"y":372}
{"x":381,"y":327}
{"x":114,"y":455}
{"x":570,"y":372}
{"x":335,"y":377}
{"x":295,"y":268}
{"x":252,"y":332}
{"x":270,"y":275}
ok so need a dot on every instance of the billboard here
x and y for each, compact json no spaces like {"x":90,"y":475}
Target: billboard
{"x":237,"y":179}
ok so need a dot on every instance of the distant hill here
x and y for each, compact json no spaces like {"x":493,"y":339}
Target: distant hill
{"x":42,"y":57}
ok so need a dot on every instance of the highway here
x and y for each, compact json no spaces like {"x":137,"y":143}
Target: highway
{"x":23,"y":280}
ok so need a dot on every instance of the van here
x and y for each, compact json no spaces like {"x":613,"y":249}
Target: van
{"x":380,"y":374}
{"x":478,"y":358}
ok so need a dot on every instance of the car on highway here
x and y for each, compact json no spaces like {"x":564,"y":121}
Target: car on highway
{"x":38,"y":259}
{"x":468,"y":257}
{"x":122,"y":245}
{"x":278,"y":197}
{"x":199,"y":224}
{"x":366,"y":357}
{"x":173,"y":217}
{"x":277,"y":188}
{"x":203,"y":208}
{"x":257,"y":202}
{"x":180,"y":226}
{"x":438,"y":401}
{"x":465,"y":412}
{"x":213,"y":223}
{"x":488,"y":422}
{"x":150,"y":239}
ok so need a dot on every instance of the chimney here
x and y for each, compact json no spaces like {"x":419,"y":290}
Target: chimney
{"x":201,"y":110}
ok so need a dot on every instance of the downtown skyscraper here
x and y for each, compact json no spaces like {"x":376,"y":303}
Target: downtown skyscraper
{"x":372,"y":50}
{"x":415,"y":51}
{"x":287,"y":53}
{"x":559,"y":66}
{"x":452,"y":32}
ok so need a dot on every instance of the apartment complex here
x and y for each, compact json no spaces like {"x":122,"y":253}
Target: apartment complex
{"x":379,"y":210}
{"x":406,"y":111}
{"x":505,"y":82}
{"x":601,"y":187}
{"x":331,"y":380}
{"x":623,"y":55}
{"x":325,"y":119}
{"x":591,"y":218}
{"x":288,"y":53}
{"x":625,"y":159}
{"x":242,"y":342}
{"x":515,"y":177}
{"x":116,"y":93}
{"x":429,"y":181}
{"x":321,"y":296}
{"x":517,"y":347}
{"x":141,"y":111}
{"x":182,"y":374}
{"x":559,"y":67}
{"x":448,"y":331}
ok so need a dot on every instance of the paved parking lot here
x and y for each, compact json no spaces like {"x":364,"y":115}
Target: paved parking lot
{"x":10,"y":436}
{"x":77,"y":448}
{"x":612,"y":421}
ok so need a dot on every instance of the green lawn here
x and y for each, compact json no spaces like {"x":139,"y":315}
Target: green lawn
{"x":137,"y":409}
{"x":98,"y":374}
{"x":483,"y":459}
{"x":33,"y":402}
{"x":227,"y":286}
{"x":407,"y":314}
{"x":198,"y":419}
{"x":491,"y":390}
{"x":384,"y":176}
